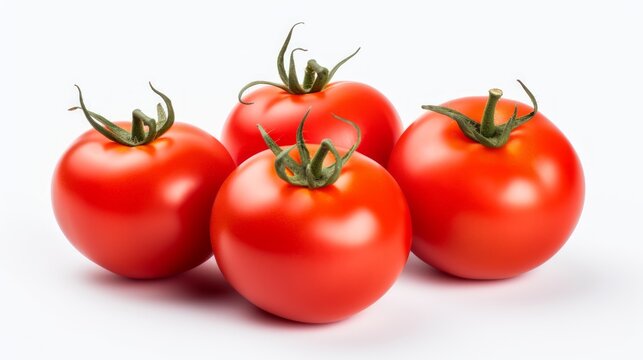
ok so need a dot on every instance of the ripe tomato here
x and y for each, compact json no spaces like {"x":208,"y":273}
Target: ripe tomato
{"x":312,"y":255}
{"x":278,"y":109}
{"x":485,"y":212}
{"x":140,"y":211}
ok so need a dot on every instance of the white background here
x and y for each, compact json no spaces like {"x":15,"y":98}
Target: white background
{"x":582,"y":61}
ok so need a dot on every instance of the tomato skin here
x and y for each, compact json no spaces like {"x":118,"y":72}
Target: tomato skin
{"x":141,"y":212}
{"x":280,"y":113}
{"x":484,"y":213}
{"x":313,"y":256}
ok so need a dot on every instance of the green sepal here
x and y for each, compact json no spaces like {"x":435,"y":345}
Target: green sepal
{"x":137,"y":136}
{"x":499,"y":134}
{"x":309,"y":172}
{"x":316,"y":77}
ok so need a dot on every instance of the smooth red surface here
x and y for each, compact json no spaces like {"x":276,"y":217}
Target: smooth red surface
{"x":141,"y":212}
{"x":485,"y":213}
{"x":307,"y":255}
{"x":280,"y":114}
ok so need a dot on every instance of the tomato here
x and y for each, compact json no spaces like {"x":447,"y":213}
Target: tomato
{"x":488,"y":212}
{"x":140,"y":211}
{"x":312,"y":255}
{"x":278,"y":109}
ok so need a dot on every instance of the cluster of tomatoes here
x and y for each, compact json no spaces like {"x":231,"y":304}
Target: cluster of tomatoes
{"x":315,"y":231}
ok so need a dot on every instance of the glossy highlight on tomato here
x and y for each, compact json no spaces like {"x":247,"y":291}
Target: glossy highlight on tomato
{"x":481,"y":212}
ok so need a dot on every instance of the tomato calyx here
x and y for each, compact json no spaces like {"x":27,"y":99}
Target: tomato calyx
{"x":309,"y":172}
{"x":137,"y":136}
{"x":316,"y":77}
{"x":486,"y":132}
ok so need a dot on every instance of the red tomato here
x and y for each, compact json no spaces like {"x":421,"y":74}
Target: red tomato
{"x":488,"y":213}
{"x":278,"y":109}
{"x":311,"y":255}
{"x":280,"y":113}
{"x":141,"y":211}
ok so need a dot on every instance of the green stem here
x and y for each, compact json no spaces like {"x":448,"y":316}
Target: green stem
{"x":317,"y":163}
{"x":309,"y":76}
{"x":138,"y":125}
{"x":319,"y":78}
{"x":488,"y":127}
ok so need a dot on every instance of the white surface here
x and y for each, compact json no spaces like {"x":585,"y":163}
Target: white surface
{"x":582,"y":61}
